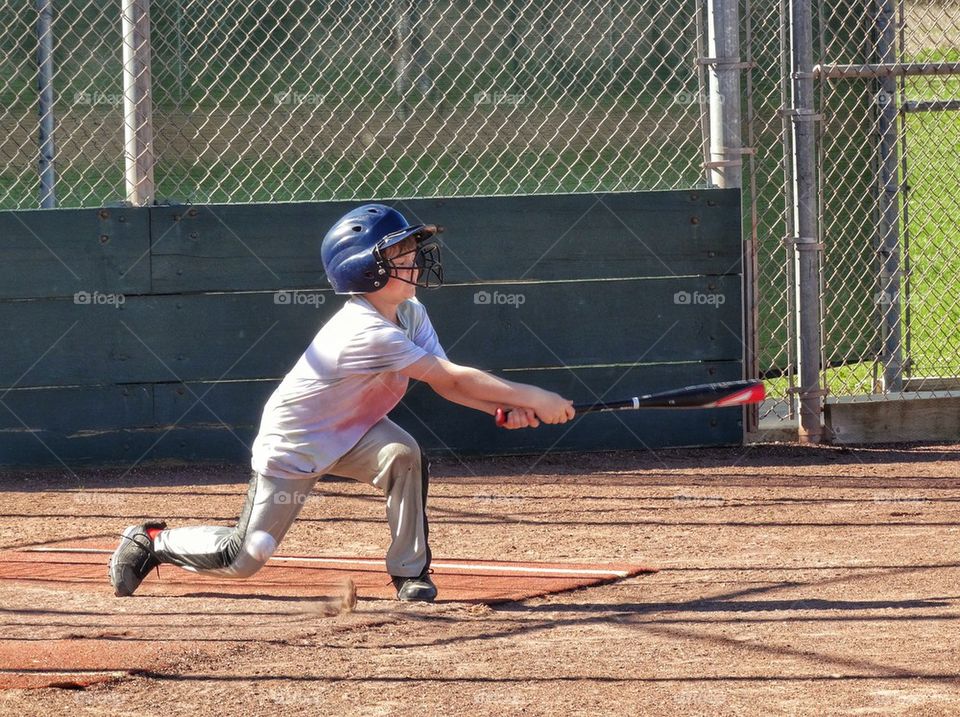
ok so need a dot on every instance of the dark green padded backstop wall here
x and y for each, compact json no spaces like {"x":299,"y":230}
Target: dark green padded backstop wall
{"x":144,"y":333}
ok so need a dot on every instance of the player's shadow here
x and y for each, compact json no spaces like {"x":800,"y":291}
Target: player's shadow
{"x":756,"y":455}
{"x":533,"y":469}
{"x":626,"y":609}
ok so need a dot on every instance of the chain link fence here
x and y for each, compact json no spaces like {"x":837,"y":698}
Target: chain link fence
{"x":298,"y":101}
{"x":86,"y":108}
{"x":890,"y":186}
{"x":767,"y":207}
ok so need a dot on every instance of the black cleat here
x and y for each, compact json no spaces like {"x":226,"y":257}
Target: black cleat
{"x":133,"y":559}
{"x":416,"y":589}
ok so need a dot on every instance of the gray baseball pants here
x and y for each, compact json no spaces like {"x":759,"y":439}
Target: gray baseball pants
{"x":386,"y":457}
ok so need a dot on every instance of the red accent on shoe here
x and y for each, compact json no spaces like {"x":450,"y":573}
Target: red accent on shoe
{"x":152,"y":533}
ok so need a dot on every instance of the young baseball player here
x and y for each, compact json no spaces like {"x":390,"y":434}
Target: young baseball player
{"x":329,"y":415}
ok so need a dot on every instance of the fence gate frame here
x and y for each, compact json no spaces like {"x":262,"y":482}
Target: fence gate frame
{"x":890,"y":162}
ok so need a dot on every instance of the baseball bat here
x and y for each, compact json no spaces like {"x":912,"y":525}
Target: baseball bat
{"x":707,"y":395}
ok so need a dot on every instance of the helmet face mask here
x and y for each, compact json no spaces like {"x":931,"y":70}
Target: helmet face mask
{"x":426,"y":267}
{"x":357,"y":256}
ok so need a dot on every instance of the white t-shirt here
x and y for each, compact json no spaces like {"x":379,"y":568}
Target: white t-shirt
{"x":345,"y":382}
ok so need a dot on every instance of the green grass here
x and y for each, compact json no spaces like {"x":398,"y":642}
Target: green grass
{"x":319,"y":178}
{"x":933,"y":146}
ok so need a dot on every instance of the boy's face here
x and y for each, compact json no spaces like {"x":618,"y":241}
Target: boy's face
{"x":402,"y":258}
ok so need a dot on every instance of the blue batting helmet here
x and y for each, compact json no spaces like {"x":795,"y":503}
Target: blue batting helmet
{"x":352,"y":251}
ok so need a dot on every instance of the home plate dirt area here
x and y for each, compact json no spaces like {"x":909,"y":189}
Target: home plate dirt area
{"x":788,"y":580}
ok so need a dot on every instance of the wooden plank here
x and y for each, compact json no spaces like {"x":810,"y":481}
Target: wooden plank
{"x":240,"y":246}
{"x":126,"y":448}
{"x":238,"y":404}
{"x":579,"y":236}
{"x":95,"y":409}
{"x":910,"y":417}
{"x":272,"y":246}
{"x":931,"y":383}
{"x":71,"y":409}
{"x":59,"y":252}
{"x":591,"y":322}
{"x":120,"y":425}
{"x":156,"y":339}
{"x":250,"y":335}
{"x":72,"y":425}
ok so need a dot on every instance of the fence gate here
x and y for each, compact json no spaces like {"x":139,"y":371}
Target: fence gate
{"x":889,"y":168}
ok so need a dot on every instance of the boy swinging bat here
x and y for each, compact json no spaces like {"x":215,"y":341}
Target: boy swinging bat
{"x":329,"y":415}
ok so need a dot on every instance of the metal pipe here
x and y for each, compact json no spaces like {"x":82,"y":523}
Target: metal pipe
{"x":786,"y":137}
{"x":751,"y":267}
{"x":931,"y":106}
{"x":137,"y":102}
{"x":885,"y":69}
{"x":403,"y":57}
{"x":701,"y":89}
{"x":806,"y":242}
{"x":723,"y":39}
{"x":820,"y":132}
{"x":905,"y":193}
{"x":180,"y":70}
{"x":513,"y":45}
{"x":47,"y":169}
{"x":889,"y":200}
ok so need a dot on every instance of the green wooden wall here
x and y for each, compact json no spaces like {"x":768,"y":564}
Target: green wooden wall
{"x":147,"y":333}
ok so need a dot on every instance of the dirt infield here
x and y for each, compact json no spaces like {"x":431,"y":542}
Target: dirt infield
{"x":792,"y":580}
{"x":333,"y":584}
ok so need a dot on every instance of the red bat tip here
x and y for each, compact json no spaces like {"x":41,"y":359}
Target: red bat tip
{"x":752,"y":394}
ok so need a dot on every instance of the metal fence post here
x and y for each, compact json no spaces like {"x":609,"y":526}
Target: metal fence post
{"x":411,"y":59}
{"x":888,"y":244}
{"x":47,"y":170}
{"x":806,"y":242}
{"x":723,"y":42}
{"x":725,"y":162}
{"x":137,"y":103}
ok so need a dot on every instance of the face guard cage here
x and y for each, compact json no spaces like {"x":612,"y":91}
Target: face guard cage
{"x":427,"y":269}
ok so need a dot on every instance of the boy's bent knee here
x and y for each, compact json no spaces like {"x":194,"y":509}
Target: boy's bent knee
{"x":401,"y":455}
{"x":244,"y":554}
{"x":243,"y":567}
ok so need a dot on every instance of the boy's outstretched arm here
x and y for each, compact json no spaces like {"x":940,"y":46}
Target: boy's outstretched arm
{"x":486,"y":392}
